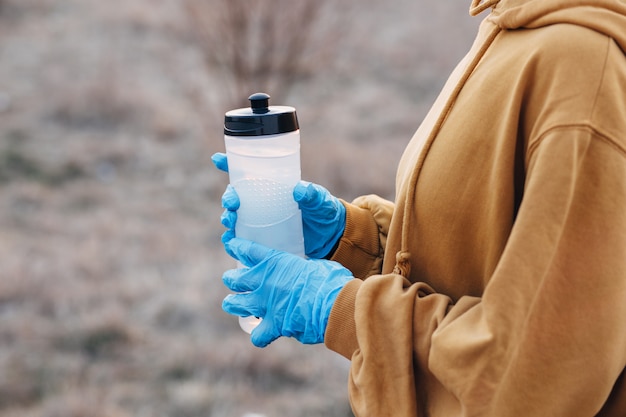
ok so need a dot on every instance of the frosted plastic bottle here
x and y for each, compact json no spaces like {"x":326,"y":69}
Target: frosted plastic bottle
{"x":263,"y":149}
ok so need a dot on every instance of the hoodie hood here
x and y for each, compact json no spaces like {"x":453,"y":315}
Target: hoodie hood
{"x":605,"y":16}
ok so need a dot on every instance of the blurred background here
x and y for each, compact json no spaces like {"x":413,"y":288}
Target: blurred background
{"x":110,"y":261}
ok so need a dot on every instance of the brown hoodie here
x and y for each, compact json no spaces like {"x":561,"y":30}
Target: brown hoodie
{"x":495,"y":285}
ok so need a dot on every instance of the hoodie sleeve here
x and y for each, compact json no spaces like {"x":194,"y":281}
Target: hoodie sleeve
{"x":547,"y":336}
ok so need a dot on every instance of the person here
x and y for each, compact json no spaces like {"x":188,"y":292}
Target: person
{"x":495,"y":284}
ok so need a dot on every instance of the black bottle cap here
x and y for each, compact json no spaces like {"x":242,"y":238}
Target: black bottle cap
{"x":260,"y":119}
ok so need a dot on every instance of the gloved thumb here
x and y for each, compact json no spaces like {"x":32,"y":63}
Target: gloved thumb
{"x":247,"y":252}
{"x":313,"y":198}
{"x":264,"y":334}
{"x":308,"y":194}
{"x":220,"y":161}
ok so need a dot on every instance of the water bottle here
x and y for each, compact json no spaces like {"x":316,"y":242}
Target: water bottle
{"x":263,"y":149}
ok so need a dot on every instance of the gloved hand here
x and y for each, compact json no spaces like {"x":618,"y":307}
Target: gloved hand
{"x":323,"y":215}
{"x":323,"y":219}
{"x":293,"y":295}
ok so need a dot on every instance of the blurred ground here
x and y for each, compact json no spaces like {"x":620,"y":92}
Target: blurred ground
{"x":110,"y":261}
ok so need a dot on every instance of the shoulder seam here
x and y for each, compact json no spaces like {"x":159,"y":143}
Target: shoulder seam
{"x":578,"y":126}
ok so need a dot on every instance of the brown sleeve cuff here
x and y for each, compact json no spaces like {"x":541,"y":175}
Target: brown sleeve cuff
{"x":359,"y":248}
{"x":340,"y":333}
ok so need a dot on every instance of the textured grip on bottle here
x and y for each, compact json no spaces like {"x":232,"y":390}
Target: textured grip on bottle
{"x":264,"y":202}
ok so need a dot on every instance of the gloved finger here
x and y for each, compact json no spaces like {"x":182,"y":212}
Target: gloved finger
{"x":242,"y":280}
{"x":313,"y":197}
{"x":228,"y":219}
{"x":220,"y":161}
{"x":239,"y":305}
{"x":226,"y":237}
{"x":247,"y":252}
{"x":230,"y":199}
{"x":264,"y":334}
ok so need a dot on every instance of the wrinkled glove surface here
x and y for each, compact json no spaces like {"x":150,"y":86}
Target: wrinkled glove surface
{"x":293,"y":295}
{"x":323,"y":219}
{"x":323,"y":215}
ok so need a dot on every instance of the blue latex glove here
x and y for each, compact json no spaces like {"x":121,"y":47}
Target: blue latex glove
{"x":230,"y":202}
{"x":220,"y":161}
{"x":293,"y":295}
{"x":323,"y":219}
{"x":323,"y":215}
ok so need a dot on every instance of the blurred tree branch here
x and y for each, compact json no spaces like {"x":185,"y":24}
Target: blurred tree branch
{"x":263,"y":45}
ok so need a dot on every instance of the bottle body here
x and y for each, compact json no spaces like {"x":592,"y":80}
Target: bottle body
{"x":263,"y":170}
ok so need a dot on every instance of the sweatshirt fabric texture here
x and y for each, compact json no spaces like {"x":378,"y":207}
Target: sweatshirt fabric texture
{"x":495,"y":284}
